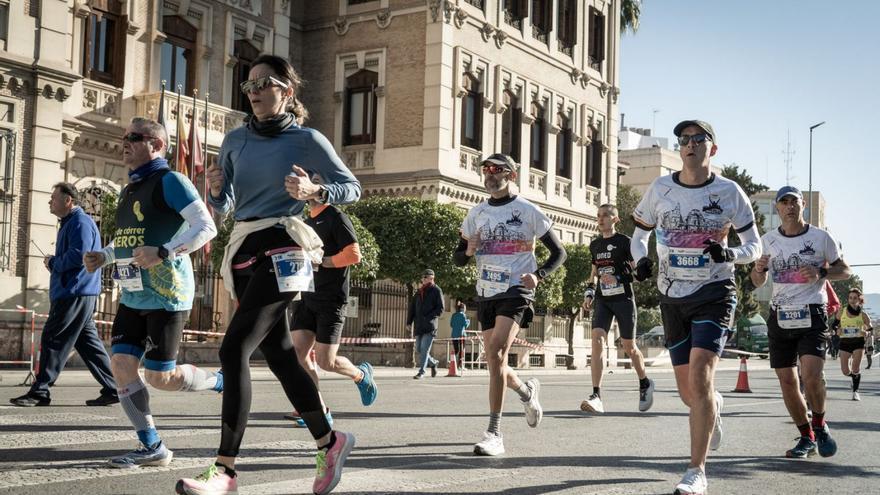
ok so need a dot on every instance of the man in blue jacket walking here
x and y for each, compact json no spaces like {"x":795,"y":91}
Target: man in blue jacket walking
{"x":73,"y":294}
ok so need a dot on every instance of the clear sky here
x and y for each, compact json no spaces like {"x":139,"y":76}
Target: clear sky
{"x":756,"y":69}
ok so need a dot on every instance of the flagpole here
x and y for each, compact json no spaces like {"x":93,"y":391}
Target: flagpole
{"x":160,"y":117}
{"x":192,"y":141}
{"x":179,"y":126}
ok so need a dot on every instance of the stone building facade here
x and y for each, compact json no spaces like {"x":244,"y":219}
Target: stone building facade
{"x":412,"y":93}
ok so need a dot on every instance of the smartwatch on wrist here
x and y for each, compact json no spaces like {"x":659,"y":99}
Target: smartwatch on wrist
{"x":323,"y":195}
{"x":823,"y":272}
{"x":541,"y":274}
{"x":163,"y":252}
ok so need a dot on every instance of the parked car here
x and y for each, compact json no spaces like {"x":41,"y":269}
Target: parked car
{"x":652,"y":338}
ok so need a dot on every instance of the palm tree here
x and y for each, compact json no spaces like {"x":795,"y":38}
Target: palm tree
{"x":629,"y":15}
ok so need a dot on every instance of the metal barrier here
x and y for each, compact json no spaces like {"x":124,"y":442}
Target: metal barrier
{"x":34,"y":359}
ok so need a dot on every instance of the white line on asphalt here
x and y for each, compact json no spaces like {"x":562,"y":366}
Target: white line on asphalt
{"x":75,"y":437}
{"x":43,"y":473}
{"x":758,"y":403}
{"x":51,"y":418}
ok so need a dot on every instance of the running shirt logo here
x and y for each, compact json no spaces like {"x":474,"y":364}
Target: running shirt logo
{"x":136,"y":209}
{"x":788,"y":255}
{"x":685,"y":218}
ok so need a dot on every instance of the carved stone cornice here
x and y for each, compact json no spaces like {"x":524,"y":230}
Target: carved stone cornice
{"x":383,"y":18}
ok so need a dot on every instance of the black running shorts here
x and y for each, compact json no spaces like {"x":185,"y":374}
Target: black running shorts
{"x":519,"y":309}
{"x":323,"y":319}
{"x":624,"y":310}
{"x":786,"y":345}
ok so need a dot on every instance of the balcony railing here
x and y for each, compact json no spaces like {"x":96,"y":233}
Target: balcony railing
{"x":594,"y":196}
{"x":101,"y":101}
{"x":469,"y":160}
{"x":359,"y":157}
{"x":538,"y":180}
{"x":220,"y":120}
{"x":563,"y":188}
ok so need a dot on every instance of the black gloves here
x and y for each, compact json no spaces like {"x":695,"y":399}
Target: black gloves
{"x":719,"y":253}
{"x":644,"y":269}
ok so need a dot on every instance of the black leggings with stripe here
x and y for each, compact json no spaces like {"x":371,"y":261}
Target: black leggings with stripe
{"x":261,"y":321}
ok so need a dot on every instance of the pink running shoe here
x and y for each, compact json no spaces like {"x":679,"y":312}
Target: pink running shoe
{"x":329,"y":463}
{"x":214,"y":481}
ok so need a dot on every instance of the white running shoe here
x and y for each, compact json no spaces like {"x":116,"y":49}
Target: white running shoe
{"x":692,"y":483}
{"x":646,"y":396}
{"x":534,"y":413}
{"x":856,"y":396}
{"x":593,"y":405}
{"x":717,"y":432}
{"x":491,"y":444}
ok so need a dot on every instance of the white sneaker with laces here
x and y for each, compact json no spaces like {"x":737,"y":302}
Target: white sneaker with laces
{"x":534,"y":413}
{"x":491,"y":444}
{"x":692,"y":483}
{"x":856,"y":396}
{"x":717,"y":433}
{"x":593,"y":404}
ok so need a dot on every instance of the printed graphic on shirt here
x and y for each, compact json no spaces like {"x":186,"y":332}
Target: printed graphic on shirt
{"x":611,"y":257}
{"x":788,"y":255}
{"x":507,"y":242}
{"x":684,"y":219}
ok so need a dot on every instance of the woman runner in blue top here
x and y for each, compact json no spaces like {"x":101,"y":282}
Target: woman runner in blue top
{"x":263,"y":173}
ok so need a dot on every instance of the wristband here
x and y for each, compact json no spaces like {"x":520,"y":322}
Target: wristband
{"x":823,"y":272}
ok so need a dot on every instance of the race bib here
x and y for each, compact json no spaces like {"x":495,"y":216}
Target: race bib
{"x":128,"y":276}
{"x":688,"y":264}
{"x":609,"y":283}
{"x":851,"y":332}
{"x":492,"y":280}
{"x":293,"y":271}
{"x":793,"y":317}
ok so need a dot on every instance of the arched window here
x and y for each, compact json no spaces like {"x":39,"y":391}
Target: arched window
{"x":538,"y":138}
{"x":594,"y":159}
{"x":179,"y":54}
{"x":245,"y":53}
{"x":472,"y":113}
{"x":511,"y":126}
{"x":360,"y":108}
{"x":563,"y":147}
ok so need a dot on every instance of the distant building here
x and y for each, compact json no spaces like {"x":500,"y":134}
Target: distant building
{"x":766,"y":202}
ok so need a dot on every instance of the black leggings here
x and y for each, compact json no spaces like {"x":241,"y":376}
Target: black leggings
{"x":260,"y":321}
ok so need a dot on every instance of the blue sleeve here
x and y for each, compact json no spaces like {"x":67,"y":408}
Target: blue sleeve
{"x":80,"y":238}
{"x":225,"y":201}
{"x":342,"y":186}
{"x":178,"y":191}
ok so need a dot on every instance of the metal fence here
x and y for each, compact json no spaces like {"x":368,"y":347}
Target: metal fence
{"x":381,"y":310}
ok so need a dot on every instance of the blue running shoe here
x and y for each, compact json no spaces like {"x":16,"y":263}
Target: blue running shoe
{"x":218,"y":385}
{"x":367,"y":385}
{"x":301,"y":423}
{"x":804,"y":448}
{"x":827,"y":445}
{"x":144,"y":456}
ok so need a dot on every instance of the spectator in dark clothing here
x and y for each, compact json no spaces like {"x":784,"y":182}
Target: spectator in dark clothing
{"x":424,"y":311}
{"x":73,"y":294}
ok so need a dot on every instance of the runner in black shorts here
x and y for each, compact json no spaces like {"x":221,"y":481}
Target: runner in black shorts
{"x":501,"y":233}
{"x":853,"y":325}
{"x":693,"y":212}
{"x":317,"y":317}
{"x":613,"y":298}
{"x":159,"y":220}
{"x":795,"y":256}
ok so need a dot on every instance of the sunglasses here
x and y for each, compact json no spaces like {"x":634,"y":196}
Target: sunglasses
{"x":136,"y":137}
{"x":257,"y":85}
{"x":494,"y":169}
{"x":696,"y":138}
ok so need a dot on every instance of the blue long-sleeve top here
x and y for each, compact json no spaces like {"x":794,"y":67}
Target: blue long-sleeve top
{"x":255,"y":166}
{"x":78,"y":234}
{"x":459,"y":324}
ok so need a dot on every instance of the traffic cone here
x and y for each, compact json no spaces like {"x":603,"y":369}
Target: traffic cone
{"x":742,"y":380}
{"x":453,"y":369}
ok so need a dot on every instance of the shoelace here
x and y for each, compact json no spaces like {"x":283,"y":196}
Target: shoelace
{"x":208,"y":474}
{"x":321,"y":463}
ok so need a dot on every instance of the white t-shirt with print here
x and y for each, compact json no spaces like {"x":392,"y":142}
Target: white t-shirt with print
{"x":813,"y":247}
{"x":507,"y":244}
{"x":685,"y":217}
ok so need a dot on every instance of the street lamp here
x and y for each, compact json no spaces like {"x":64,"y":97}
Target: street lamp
{"x":810,"y":185}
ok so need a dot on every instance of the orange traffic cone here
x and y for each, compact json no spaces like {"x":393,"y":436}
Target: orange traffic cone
{"x":453,"y":369}
{"x":742,"y":381}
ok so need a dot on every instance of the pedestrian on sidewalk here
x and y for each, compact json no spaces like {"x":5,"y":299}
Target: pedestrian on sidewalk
{"x":459,"y":323}
{"x":424,"y":312}
{"x":73,"y":295}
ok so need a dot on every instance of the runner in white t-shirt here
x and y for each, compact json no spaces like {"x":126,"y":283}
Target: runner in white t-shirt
{"x":692,"y":211}
{"x":501,"y":234}
{"x":794,"y":255}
